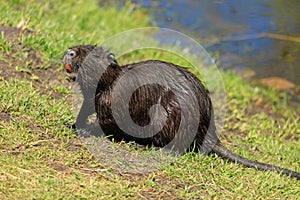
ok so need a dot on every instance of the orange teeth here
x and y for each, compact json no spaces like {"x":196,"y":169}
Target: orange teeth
{"x":68,"y":68}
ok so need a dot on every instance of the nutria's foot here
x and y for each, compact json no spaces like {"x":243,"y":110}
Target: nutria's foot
{"x":68,"y":125}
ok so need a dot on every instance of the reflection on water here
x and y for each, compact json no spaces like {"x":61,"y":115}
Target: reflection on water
{"x":260,"y":35}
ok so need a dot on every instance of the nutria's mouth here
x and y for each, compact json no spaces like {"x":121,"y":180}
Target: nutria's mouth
{"x":69,"y":72}
{"x":72,"y":76}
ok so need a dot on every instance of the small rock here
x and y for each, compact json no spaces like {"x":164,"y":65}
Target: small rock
{"x":278,"y":83}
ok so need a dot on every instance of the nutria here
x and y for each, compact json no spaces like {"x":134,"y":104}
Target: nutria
{"x":108,"y":83}
{"x":72,"y":59}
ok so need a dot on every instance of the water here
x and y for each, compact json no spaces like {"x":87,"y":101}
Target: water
{"x":263,"y":35}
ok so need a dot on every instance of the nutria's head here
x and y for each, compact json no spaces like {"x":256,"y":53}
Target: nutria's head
{"x":75,"y":56}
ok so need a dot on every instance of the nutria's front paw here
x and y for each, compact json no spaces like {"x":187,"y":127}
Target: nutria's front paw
{"x":68,"y":125}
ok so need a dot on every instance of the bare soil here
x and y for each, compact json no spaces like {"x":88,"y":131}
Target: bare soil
{"x":25,"y":63}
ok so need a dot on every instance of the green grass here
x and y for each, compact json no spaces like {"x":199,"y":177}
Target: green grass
{"x":42,"y":159}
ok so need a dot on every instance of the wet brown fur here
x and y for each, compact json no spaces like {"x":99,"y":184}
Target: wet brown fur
{"x":145,"y":97}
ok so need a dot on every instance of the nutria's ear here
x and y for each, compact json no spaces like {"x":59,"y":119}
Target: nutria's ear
{"x":111,"y":58}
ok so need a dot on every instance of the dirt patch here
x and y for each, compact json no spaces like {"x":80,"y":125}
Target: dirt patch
{"x":5,"y":117}
{"x":23,"y":62}
{"x":59,"y":167}
{"x":11,"y":33}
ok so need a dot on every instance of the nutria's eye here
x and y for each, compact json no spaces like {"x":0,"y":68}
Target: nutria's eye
{"x":111,"y":58}
{"x":71,"y":53}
